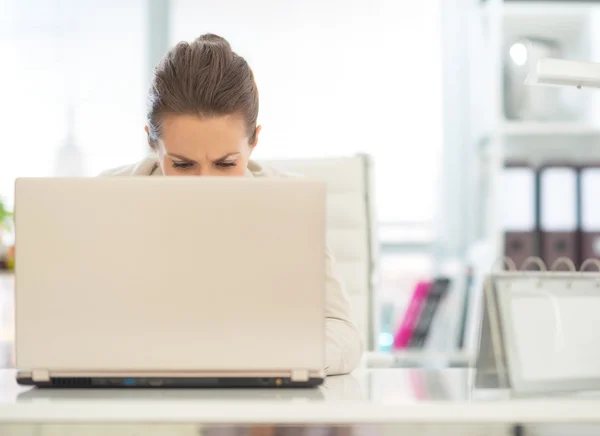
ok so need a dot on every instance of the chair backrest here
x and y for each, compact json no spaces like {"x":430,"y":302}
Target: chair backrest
{"x":351,"y":227}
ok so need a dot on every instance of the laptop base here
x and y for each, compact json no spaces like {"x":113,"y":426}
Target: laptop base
{"x":168,"y":382}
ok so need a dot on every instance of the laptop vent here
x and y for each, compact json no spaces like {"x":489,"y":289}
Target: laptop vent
{"x":72,"y":382}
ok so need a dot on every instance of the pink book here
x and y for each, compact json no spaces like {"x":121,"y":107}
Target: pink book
{"x":407,"y":327}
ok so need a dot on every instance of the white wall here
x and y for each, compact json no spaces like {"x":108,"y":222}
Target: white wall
{"x":338,"y":77}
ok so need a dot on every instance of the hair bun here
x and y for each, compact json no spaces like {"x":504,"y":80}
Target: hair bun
{"x":211,"y":38}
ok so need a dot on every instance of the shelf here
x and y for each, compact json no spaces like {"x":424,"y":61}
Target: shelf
{"x":566,"y":22}
{"x":564,"y":30}
{"x":540,"y":128}
{"x":545,"y":149}
{"x":415,"y":358}
{"x":539,"y":142}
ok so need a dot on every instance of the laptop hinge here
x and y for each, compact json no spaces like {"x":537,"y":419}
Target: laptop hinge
{"x":40,"y":375}
{"x":299,"y":375}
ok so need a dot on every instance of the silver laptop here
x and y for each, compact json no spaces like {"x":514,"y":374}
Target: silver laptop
{"x":170,"y":282}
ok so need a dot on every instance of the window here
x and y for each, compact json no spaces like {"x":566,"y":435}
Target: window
{"x":341,"y":77}
{"x":336,"y":78}
{"x":76,"y":74}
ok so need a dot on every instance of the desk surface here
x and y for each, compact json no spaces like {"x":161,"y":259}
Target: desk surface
{"x":367,"y":396}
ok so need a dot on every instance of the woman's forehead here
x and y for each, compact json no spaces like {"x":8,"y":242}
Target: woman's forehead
{"x":202,"y":137}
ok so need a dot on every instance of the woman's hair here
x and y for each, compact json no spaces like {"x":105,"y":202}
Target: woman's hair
{"x":204,"y":78}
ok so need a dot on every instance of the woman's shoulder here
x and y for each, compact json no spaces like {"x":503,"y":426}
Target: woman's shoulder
{"x":145,"y":167}
{"x":258,"y":169}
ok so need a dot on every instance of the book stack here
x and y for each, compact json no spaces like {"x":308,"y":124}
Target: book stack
{"x":426,"y":300}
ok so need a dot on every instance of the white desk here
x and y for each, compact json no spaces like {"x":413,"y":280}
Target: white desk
{"x":390,"y":396}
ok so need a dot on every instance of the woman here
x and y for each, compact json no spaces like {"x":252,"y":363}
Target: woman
{"x":202,"y":112}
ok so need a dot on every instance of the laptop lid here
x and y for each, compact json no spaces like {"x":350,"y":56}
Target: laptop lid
{"x":189,"y":275}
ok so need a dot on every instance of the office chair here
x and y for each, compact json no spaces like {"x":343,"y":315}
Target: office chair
{"x":351,"y":230}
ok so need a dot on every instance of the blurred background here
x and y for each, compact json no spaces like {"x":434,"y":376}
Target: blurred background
{"x":466,"y":164}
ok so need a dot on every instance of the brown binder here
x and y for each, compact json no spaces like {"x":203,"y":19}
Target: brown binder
{"x":559,"y":214}
{"x":589,"y":203}
{"x":520,"y":245}
{"x":518,"y":209}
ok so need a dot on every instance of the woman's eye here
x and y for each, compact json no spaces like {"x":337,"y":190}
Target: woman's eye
{"x":182,"y":165}
{"x":226,"y":164}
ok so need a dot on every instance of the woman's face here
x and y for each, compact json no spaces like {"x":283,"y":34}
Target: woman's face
{"x":194,"y":146}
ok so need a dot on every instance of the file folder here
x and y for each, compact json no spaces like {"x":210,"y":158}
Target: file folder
{"x":559,"y":214}
{"x":590,"y":212}
{"x":518,"y":211}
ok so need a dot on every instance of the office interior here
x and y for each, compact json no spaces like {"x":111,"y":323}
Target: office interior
{"x":419,"y":109}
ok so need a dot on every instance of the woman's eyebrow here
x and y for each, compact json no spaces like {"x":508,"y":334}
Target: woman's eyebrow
{"x":179,"y":157}
{"x":183,"y":158}
{"x":226,"y":156}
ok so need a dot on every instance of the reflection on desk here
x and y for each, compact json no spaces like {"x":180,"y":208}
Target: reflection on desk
{"x":390,"y":396}
{"x":177,"y":395}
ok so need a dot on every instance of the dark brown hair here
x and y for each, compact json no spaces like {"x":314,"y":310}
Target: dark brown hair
{"x":204,"y":78}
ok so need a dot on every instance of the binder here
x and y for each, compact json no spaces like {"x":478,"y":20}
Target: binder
{"x":558,"y":213}
{"x":518,"y":211}
{"x":590,"y":212}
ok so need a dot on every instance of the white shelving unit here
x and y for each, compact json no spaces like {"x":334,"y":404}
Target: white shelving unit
{"x":571,"y":135}
{"x":538,"y":129}
{"x":480,"y":37}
